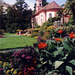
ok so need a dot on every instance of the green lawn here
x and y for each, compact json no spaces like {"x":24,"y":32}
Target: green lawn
{"x":8,"y":34}
{"x":16,"y":41}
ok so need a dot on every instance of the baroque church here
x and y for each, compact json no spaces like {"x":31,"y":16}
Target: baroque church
{"x":42,"y":14}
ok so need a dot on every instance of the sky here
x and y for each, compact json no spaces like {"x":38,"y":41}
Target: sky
{"x":31,"y":2}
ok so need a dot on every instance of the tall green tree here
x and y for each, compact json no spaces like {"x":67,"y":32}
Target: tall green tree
{"x":1,"y":18}
{"x":17,"y":18}
{"x":44,"y":2}
{"x":70,"y":7}
{"x":21,"y":5}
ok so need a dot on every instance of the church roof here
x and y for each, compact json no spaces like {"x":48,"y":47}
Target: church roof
{"x":52,"y":5}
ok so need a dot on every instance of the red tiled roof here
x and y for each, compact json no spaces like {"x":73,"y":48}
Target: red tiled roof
{"x":52,"y":5}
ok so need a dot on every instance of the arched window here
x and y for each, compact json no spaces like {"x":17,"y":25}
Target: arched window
{"x":50,"y":15}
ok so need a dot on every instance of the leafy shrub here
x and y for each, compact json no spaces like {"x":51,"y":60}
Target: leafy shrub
{"x":41,"y":39}
{"x":33,"y":34}
{"x":1,"y":32}
{"x":38,"y":26}
{"x":46,"y":35}
{"x":46,"y":24}
{"x":58,"y":57}
{"x":41,"y":32}
{"x":53,"y":19}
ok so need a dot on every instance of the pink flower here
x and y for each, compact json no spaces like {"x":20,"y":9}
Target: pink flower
{"x":18,"y":59}
{"x":28,"y":57}
{"x":13,"y":55}
{"x":23,"y":55}
{"x":23,"y":50}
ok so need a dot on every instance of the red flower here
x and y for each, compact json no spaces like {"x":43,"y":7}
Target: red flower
{"x":60,"y":31}
{"x":71,"y":35}
{"x":56,"y":39}
{"x":42,"y":46}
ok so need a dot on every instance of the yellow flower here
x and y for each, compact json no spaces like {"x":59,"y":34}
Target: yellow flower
{"x":1,"y":62}
{"x":20,"y":72}
{"x":15,"y":72}
{"x":8,"y":71}
{"x":61,"y":39}
{"x":35,"y":37}
{"x":6,"y":63}
{"x":12,"y":69}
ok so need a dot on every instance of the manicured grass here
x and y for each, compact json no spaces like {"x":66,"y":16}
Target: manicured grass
{"x":8,"y":34}
{"x":16,"y":41}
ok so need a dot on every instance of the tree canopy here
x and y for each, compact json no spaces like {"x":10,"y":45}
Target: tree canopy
{"x":70,"y":8}
{"x":15,"y":17}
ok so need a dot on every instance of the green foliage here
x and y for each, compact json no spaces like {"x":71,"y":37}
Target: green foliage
{"x":41,"y":32}
{"x":51,"y":20}
{"x":21,"y":5}
{"x":1,"y":18}
{"x":33,"y":34}
{"x":58,"y":57}
{"x":15,"y":18}
{"x":37,"y":26}
{"x":69,"y":6}
{"x":60,"y":13}
{"x":46,"y":24}
{"x":71,"y":20}
{"x":45,"y":3}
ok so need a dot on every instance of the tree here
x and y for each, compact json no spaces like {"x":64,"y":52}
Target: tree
{"x":44,"y":2}
{"x":70,"y":7}
{"x":1,"y":18}
{"x":21,"y":5}
{"x":21,"y":18}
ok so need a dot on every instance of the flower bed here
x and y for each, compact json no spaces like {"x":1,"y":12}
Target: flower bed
{"x":1,"y":36}
{"x":51,"y":56}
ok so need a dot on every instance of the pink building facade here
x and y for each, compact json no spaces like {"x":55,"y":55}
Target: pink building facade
{"x":42,"y":14}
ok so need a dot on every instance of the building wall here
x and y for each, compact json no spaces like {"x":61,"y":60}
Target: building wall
{"x":43,"y":16}
{"x":40,"y":18}
{"x":50,"y":12}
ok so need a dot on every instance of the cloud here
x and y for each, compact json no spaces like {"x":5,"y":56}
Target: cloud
{"x":31,"y":4}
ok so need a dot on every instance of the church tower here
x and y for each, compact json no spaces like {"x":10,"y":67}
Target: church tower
{"x":38,"y":5}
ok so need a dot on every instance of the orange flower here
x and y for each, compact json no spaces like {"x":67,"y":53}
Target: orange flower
{"x":71,"y":35}
{"x":42,"y":46}
{"x":60,"y":31}
{"x":56,"y":39}
{"x":53,"y":27}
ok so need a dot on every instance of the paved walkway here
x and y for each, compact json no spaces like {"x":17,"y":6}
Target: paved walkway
{"x":11,"y":35}
{"x":11,"y":50}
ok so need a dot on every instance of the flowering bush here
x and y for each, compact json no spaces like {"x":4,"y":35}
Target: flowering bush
{"x":58,"y":57}
{"x":1,"y":67}
{"x":42,"y":46}
{"x":72,"y":35}
{"x":25,"y":60}
{"x":41,"y":39}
